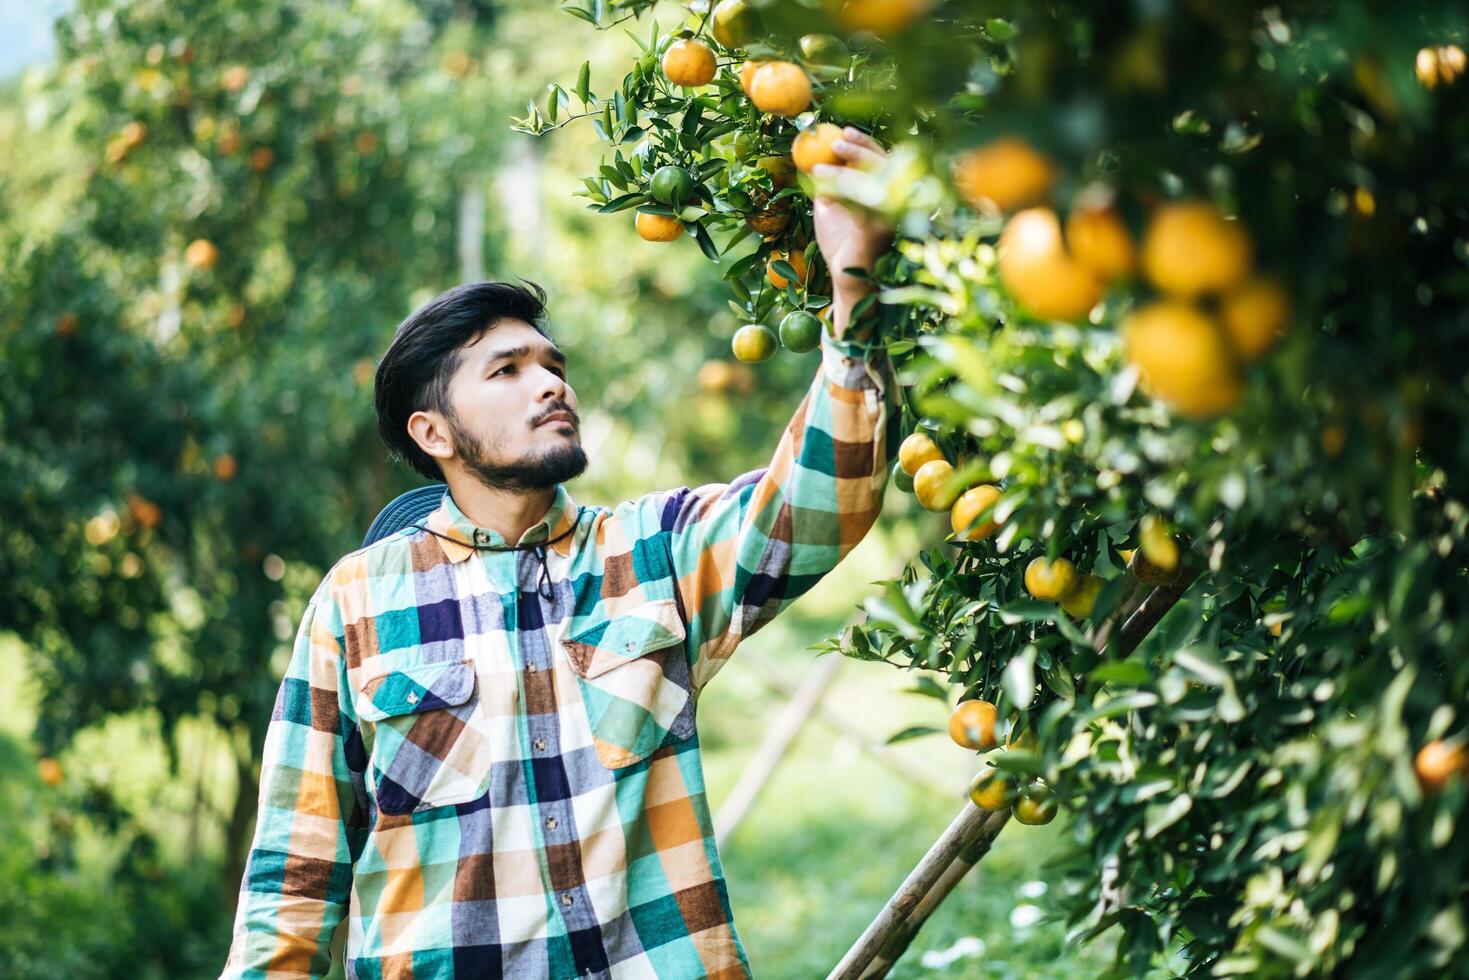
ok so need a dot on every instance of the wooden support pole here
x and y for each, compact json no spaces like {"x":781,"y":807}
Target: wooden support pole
{"x":773,"y":748}
{"x":973,"y":830}
{"x":969,"y":827}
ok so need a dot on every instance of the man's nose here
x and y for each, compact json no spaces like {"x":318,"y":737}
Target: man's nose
{"x":553,"y":386}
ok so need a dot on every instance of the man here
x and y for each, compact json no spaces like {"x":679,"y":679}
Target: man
{"x":484,"y":752}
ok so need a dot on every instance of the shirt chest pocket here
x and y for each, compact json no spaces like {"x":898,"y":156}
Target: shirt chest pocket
{"x":634,"y":679}
{"x":430,"y":738}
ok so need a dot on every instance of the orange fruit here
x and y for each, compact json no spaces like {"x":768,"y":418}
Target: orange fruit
{"x":1191,"y":249}
{"x":796,"y":260}
{"x":144,"y":511}
{"x":812,"y":146}
{"x":689,"y":63}
{"x":1182,"y":358}
{"x":780,"y":88}
{"x":769,"y":222}
{"x":657,"y":227}
{"x":747,"y":73}
{"x":66,"y":323}
{"x":931,"y":485}
{"x":1156,"y":544}
{"x":972,"y":724}
{"x":994,"y":790}
{"x":1099,"y":240}
{"x":1036,"y":805}
{"x":1436,"y":763}
{"x":734,"y":23}
{"x":1036,"y":269}
{"x":50,"y":771}
{"x":884,"y":18}
{"x":1005,"y":174}
{"x":1050,"y":580}
{"x":201,"y":254}
{"x":225,"y":467}
{"x":261,"y":158}
{"x":134,"y":133}
{"x":754,"y":342}
{"x":916,"y":450}
{"x":234,"y":78}
{"x":967,"y":509}
{"x":1254,"y":316}
{"x":1084,"y":597}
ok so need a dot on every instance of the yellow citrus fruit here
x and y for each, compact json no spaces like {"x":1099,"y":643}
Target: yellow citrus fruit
{"x":1035,"y":805}
{"x":1099,"y":240}
{"x":994,"y":790}
{"x":769,"y":222}
{"x":972,"y":724}
{"x":754,"y":342}
{"x":782,"y":170}
{"x":1006,"y":173}
{"x":812,"y":146}
{"x":1191,"y":249}
{"x":201,"y":254}
{"x":657,"y":227}
{"x":796,"y":260}
{"x":968,"y":507}
{"x":50,"y":771}
{"x":734,"y":23}
{"x":1081,"y":600}
{"x":1254,"y":316}
{"x":916,"y":450}
{"x":747,"y":73}
{"x":1050,"y":579}
{"x":826,"y":50}
{"x":1038,"y":272}
{"x":884,"y":18}
{"x":931,"y":485}
{"x":780,"y":88}
{"x":1183,"y":358}
{"x":1156,"y":544}
{"x":225,"y":467}
{"x":1436,"y":763}
{"x":689,"y":63}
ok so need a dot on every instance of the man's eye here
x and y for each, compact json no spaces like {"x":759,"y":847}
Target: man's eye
{"x":508,"y":367}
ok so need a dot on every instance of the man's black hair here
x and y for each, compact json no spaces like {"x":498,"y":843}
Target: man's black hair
{"x":414,"y":373}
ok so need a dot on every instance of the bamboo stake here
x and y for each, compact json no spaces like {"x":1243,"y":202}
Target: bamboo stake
{"x":890,"y":934}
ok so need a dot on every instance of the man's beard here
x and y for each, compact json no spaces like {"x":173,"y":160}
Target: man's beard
{"x":530,"y":472}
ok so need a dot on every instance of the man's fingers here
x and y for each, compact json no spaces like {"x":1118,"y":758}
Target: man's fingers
{"x":856,"y":154}
{"x":854,"y":135}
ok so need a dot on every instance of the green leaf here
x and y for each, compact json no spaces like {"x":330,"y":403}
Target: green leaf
{"x":1019,"y":678}
{"x":1160,"y":817}
{"x":927,"y":686}
{"x":1127,"y":673}
{"x":914,"y":731}
{"x":623,"y":203}
{"x":706,"y":244}
{"x":1027,"y":611}
{"x":1203,"y":663}
{"x":583,"y":82}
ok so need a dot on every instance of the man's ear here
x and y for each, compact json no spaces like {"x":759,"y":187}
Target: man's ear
{"x":431,"y":431}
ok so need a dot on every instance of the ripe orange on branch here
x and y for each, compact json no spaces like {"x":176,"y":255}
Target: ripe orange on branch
{"x":931,"y":485}
{"x":1191,"y":248}
{"x":967,"y":509}
{"x":201,"y":254}
{"x":1254,"y":316}
{"x":814,"y":145}
{"x":1098,"y":239}
{"x":1053,"y":580}
{"x":916,"y":450}
{"x":734,"y":23}
{"x":657,"y":227}
{"x":689,"y":63}
{"x":1183,"y":358}
{"x":972,"y":724}
{"x":1006,"y":173}
{"x":1037,"y":270}
{"x":796,"y":260}
{"x":780,"y":88}
{"x":994,"y":790}
{"x":1036,"y":805}
{"x":1437,"y":762}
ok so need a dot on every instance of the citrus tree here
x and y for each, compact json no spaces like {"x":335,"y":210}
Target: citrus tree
{"x":1179,"y":301}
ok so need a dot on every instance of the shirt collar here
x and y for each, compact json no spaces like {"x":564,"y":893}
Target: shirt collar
{"x":460,"y":534}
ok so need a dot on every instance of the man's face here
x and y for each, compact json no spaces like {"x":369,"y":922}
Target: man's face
{"x":513,"y":415}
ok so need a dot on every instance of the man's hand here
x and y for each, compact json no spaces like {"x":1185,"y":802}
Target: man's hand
{"x":847,"y":236}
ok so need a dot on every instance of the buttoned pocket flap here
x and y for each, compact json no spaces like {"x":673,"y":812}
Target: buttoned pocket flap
{"x":642,"y":630}
{"x":410,"y":689}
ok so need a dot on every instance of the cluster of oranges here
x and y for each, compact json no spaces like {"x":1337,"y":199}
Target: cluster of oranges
{"x":920,"y":459}
{"x":972,"y":726}
{"x":1189,"y":346}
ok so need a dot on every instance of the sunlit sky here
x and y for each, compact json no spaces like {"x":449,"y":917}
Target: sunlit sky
{"x":25,"y":32}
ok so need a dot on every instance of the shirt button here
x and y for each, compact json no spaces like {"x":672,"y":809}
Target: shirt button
{"x":531,"y":668}
{"x":631,"y":646}
{"x":550,"y":823}
{"x":540,"y":745}
{"x":412,"y":697}
{"x":566,"y":900}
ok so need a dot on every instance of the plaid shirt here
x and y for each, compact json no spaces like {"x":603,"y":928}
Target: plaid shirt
{"x":489,"y":782}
